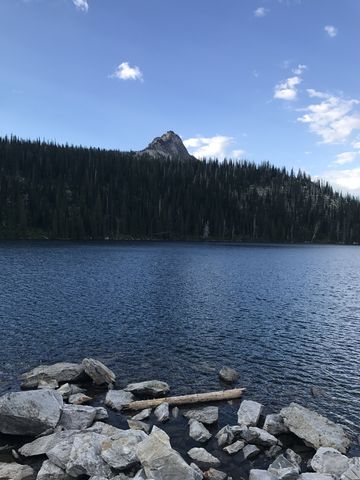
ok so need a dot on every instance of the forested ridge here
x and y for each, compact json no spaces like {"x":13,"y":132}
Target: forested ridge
{"x":65,"y":192}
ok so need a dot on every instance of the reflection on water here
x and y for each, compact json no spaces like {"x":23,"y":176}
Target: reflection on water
{"x":287,"y":317}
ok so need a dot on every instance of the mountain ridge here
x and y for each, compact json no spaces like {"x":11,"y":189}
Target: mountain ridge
{"x":169,"y":145}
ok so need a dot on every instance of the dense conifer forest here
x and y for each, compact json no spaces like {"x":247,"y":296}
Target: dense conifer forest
{"x":65,"y":192}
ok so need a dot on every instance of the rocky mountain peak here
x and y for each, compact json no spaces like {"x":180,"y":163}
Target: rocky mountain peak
{"x":168,"y":145}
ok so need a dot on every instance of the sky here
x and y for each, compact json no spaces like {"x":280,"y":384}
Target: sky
{"x":268,"y":80}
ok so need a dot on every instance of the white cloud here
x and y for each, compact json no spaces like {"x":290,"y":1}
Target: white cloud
{"x":345,"y":157}
{"x":331,"y":30}
{"x":212,"y":147}
{"x":356,"y":145}
{"x":299,"y":69}
{"x":125,"y":72}
{"x":287,"y":90}
{"x":333,"y":118}
{"x":261,"y":12}
{"x":81,"y":5}
{"x":344,"y":180}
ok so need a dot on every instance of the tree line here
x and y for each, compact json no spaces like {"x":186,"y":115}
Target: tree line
{"x":65,"y":192}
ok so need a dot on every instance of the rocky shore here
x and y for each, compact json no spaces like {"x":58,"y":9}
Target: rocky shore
{"x":48,"y":431}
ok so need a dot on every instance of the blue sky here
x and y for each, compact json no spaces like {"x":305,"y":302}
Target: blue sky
{"x":274,"y":80}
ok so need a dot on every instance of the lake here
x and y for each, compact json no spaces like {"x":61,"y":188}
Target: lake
{"x":286,"y":317}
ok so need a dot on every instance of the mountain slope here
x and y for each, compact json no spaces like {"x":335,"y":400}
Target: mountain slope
{"x":63,"y":192}
{"x":169,"y":146}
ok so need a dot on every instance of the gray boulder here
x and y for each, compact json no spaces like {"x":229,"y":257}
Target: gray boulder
{"x":101,"y":413}
{"x":225,"y":436}
{"x":261,"y":475}
{"x":329,"y":460}
{"x":250,"y":452}
{"x":60,"y":372}
{"x":283,"y":469}
{"x":48,"y":384}
{"x":117,"y":399}
{"x":162,"y":413}
{"x":293,"y":457}
{"x":77,"y":417}
{"x":143,"y":415}
{"x":317,"y":476}
{"x":160,"y":461}
{"x":98,"y":372}
{"x":198,"y":432}
{"x":42,"y":445}
{"x":261,"y":437}
{"x":228,"y":375}
{"x":120,"y":452}
{"x":79,"y":399}
{"x":234,"y":447}
{"x":249,"y":413}
{"x":68,"y":389}
{"x":314,"y":429}
{"x":213,"y":474}
{"x":203,"y":458}
{"x":207,"y":415}
{"x":85,"y":456}
{"x":353,"y":471}
{"x":197,"y":470}
{"x":49,"y":471}
{"x":274,"y":424}
{"x":30,"y":413}
{"x":15,"y":471}
{"x":151,"y":388}
{"x":137,"y":425}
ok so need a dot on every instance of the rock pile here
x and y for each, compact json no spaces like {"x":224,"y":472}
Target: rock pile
{"x":73,"y":441}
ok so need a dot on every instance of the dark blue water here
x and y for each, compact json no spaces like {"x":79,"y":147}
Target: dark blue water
{"x":287,"y":317}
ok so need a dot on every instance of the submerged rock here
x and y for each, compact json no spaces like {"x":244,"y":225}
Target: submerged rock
{"x":198,"y":432}
{"x":15,"y":471}
{"x":203,"y":458}
{"x":207,"y":415}
{"x":283,"y":469}
{"x":162,"y":413}
{"x":30,"y":413}
{"x":249,"y":413}
{"x":151,"y":388}
{"x":314,"y":429}
{"x":160,"y":461}
{"x":228,"y":375}
{"x":117,"y":399}
{"x":59,"y":372}
{"x":98,"y":372}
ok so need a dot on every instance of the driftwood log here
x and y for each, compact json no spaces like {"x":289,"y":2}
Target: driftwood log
{"x":187,"y":399}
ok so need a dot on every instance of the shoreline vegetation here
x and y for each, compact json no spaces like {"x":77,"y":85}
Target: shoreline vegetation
{"x":52,"y":191}
{"x":57,"y":429}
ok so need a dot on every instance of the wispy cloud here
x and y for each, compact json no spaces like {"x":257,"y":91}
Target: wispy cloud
{"x":261,"y":12}
{"x":332,"y":118}
{"x":82,"y":5}
{"x":126,"y":72}
{"x":331,"y":30}
{"x":287,"y":90}
{"x":212,"y":147}
{"x":345,"y":158}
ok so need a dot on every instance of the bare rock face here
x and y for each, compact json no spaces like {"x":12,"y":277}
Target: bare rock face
{"x":60,"y":372}
{"x":49,"y":471}
{"x":314,"y":429}
{"x":30,"y":413}
{"x":169,"y":146}
{"x":14,"y":471}
{"x":98,"y":372}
